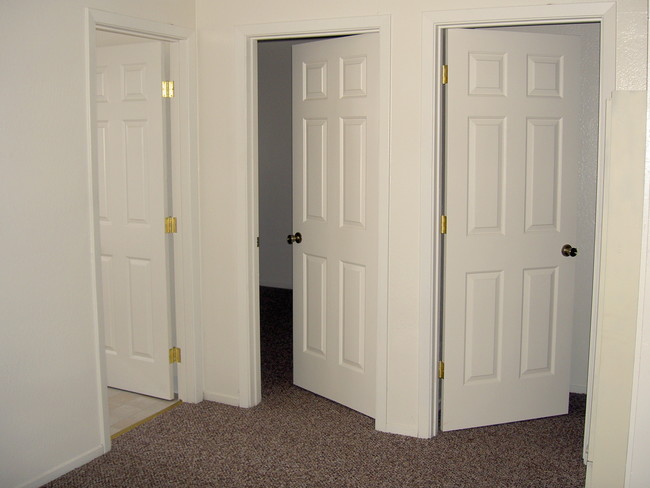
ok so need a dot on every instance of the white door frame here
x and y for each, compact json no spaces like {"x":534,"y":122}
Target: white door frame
{"x":246,"y":53}
{"x":434,"y":25}
{"x":184,"y":196}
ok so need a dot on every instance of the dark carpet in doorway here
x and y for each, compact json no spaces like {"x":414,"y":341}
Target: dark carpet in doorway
{"x":297,"y":439}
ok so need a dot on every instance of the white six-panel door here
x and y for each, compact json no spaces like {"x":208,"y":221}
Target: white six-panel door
{"x":512,"y":152}
{"x":132,"y":204}
{"x":335,"y":178}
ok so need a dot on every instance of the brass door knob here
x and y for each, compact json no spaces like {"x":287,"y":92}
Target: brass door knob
{"x":569,"y":251}
{"x":297,"y":238}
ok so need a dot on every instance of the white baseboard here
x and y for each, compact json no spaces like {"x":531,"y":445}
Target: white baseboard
{"x":221,"y":398}
{"x":64,"y":468}
{"x":578,"y":389}
{"x":399,"y":429}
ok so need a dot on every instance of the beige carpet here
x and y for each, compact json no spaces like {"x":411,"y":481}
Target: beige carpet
{"x":297,"y":439}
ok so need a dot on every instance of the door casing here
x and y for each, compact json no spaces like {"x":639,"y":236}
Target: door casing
{"x":184,"y":189}
{"x":434,"y":27}
{"x":246,"y":52}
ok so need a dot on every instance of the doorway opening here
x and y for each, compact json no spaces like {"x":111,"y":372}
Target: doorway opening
{"x":134,"y":142}
{"x":250,"y":370}
{"x":175,"y":182}
{"x":530,"y":167}
{"x":317,"y":102}
{"x":275,"y":212}
{"x":501,"y":18}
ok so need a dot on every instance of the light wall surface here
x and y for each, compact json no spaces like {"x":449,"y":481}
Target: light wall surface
{"x":51,"y":416}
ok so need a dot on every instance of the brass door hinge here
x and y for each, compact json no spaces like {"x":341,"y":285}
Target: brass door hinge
{"x":170,"y":225}
{"x":168,"y":89}
{"x":445,"y":74}
{"x":175,"y":355}
{"x":443,"y":224}
{"x":441,"y":370}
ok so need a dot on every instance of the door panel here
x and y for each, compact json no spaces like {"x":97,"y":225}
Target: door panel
{"x":132,"y":208}
{"x":335,"y":124}
{"x":511,"y":172}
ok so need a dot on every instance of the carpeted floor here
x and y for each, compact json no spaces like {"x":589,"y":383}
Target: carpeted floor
{"x":297,"y":439}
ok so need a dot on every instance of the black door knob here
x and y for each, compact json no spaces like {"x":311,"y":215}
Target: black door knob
{"x":297,"y":238}
{"x":569,"y":251}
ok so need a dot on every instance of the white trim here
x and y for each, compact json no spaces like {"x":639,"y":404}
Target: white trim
{"x":134,"y":26}
{"x":98,"y":323}
{"x":246,"y":54}
{"x":232,"y":400}
{"x":636,"y":466}
{"x":434,"y":25}
{"x":607,"y":87}
{"x":64,"y":468}
{"x":185,"y":194}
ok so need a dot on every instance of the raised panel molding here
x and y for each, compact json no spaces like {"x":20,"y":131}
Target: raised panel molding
{"x":315,"y":305}
{"x":141,"y":309}
{"x":543,"y":173}
{"x":485,"y":175}
{"x":315,"y":169}
{"x":546,"y":76}
{"x":352,"y":77}
{"x":352,"y":315}
{"x":100,"y":85}
{"x":102,"y":171}
{"x":137,"y":171}
{"x":133,"y":82}
{"x":107,"y":297}
{"x":487,"y":74}
{"x":539,"y":325}
{"x":483,"y":326}
{"x":352,"y":172}
{"x":314,"y":81}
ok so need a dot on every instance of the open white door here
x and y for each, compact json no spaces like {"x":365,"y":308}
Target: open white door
{"x":132,"y":210}
{"x":335,"y":188}
{"x":511,"y":172}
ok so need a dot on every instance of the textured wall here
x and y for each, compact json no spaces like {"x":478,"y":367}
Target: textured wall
{"x":631,"y":44}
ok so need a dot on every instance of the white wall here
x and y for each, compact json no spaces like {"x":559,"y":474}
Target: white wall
{"x":50,"y":419}
{"x":587,"y":180}
{"x":275,"y":158}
